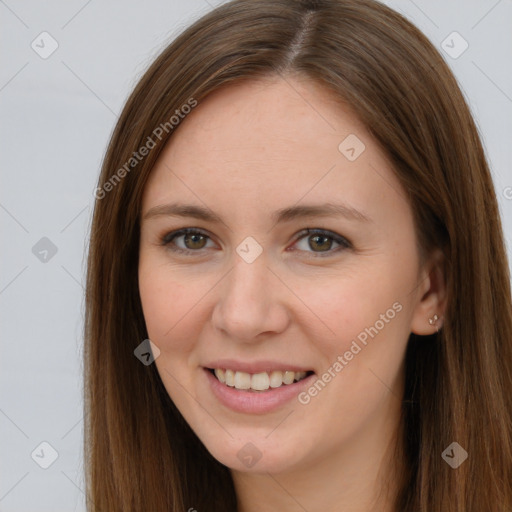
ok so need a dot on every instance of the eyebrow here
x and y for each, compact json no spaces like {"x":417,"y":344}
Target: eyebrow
{"x":279,"y":216}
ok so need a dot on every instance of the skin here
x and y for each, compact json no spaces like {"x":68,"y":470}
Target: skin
{"x":247,"y":150}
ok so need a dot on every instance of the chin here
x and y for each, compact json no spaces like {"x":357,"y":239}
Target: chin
{"x":256,"y":453}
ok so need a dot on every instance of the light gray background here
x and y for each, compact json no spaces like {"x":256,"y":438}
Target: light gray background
{"x":57,"y":114}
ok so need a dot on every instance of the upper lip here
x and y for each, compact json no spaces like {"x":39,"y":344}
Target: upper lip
{"x":255,"y":366}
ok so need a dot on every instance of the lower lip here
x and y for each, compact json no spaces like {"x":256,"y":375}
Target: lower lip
{"x":255,"y":402}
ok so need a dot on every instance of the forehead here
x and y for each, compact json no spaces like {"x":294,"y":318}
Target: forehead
{"x":268,"y":143}
{"x":272,"y":118}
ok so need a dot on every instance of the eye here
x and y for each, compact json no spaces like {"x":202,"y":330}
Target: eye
{"x":319,"y":240}
{"x":193,"y":240}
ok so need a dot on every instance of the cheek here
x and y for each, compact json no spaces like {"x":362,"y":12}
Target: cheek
{"x":167,"y":305}
{"x":370,"y":317}
{"x":346,"y":307}
{"x":170,"y":317}
{"x":362,"y":359}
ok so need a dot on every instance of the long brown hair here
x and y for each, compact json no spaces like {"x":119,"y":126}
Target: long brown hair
{"x":140,"y":454}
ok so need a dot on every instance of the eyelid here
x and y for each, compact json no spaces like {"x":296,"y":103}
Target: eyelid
{"x":343,"y":242}
{"x":168,"y":238}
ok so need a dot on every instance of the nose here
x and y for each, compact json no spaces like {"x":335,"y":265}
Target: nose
{"x":251,"y":302}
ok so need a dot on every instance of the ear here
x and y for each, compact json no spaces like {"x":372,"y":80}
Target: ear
{"x":432,"y":296}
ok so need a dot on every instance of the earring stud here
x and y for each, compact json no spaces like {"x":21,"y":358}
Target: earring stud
{"x":432,"y":321}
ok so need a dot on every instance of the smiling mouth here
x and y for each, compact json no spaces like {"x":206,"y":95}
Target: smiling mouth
{"x":262,"y":381}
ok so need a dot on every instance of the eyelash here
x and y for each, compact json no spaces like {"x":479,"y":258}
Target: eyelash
{"x":343,"y":242}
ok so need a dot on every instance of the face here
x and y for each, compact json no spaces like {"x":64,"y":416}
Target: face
{"x":305,"y":330}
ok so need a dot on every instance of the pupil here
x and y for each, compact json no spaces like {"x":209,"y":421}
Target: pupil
{"x":194,"y":238}
{"x":325,"y":238}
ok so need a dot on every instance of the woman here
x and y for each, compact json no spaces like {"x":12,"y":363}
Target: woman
{"x":373,"y":376}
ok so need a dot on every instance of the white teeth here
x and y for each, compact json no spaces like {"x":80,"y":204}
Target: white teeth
{"x":257,"y":381}
{"x":276,"y":379}
{"x":219,"y":373}
{"x":230,"y":377}
{"x":300,"y":375}
{"x":242,"y":380}
{"x":288,"y":377}
{"x":260,"y":381}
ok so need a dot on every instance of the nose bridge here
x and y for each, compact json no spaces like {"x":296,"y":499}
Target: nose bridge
{"x":248,"y":302}
{"x":249,"y":275}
